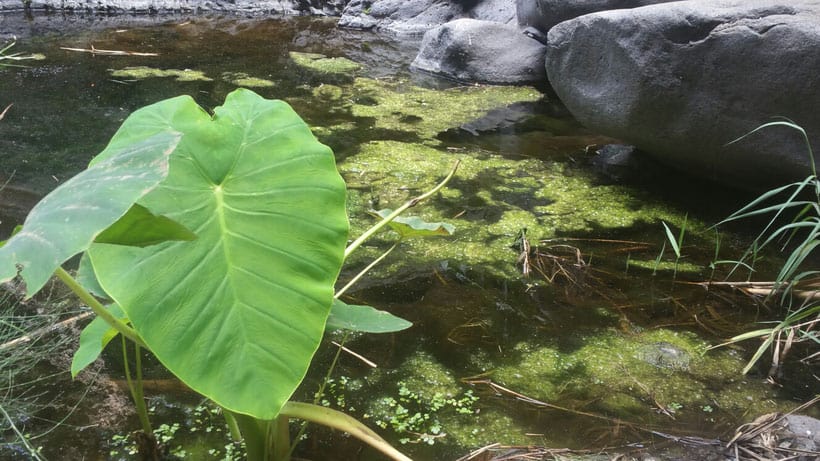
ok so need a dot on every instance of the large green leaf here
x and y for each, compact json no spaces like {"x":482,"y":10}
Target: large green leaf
{"x":238,"y":313}
{"x":67,"y":220}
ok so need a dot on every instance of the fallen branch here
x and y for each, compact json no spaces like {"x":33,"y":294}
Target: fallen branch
{"x":3,"y":114}
{"x":45,"y":330}
{"x":96,"y":51}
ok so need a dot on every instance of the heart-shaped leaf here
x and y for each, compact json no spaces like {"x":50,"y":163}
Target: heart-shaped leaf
{"x":365,"y":319}
{"x":67,"y":220}
{"x":238,"y":313}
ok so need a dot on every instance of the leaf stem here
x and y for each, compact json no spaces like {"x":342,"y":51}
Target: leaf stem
{"x":98,"y":308}
{"x":410,"y":203}
{"x":365,"y":270}
{"x":343,"y":422}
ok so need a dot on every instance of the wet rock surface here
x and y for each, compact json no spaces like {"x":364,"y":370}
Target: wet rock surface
{"x":544,"y":14}
{"x":481,"y":51}
{"x":681,"y":80}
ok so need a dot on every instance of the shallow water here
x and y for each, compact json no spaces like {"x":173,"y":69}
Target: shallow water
{"x":582,"y":342}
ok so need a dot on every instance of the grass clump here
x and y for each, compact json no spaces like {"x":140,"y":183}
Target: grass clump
{"x":794,"y":224}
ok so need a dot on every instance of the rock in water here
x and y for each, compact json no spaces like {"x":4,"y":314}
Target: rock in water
{"x":544,"y":14}
{"x":683,"y":79}
{"x":481,"y":51}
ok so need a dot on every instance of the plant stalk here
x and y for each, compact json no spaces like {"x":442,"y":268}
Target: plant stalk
{"x":410,"y":203}
{"x":98,"y":308}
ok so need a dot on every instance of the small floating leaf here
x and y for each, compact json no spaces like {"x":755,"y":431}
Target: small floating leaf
{"x":364,"y":319}
{"x":413,"y":226}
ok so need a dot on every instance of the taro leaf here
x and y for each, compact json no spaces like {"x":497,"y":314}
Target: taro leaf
{"x":139,"y":227}
{"x":238,"y":313}
{"x":364,"y":318}
{"x":93,"y":339}
{"x":413,"y":226}
{"x":67,"y":220}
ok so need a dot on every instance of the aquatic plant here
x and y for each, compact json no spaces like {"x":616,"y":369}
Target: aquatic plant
{"x":217,"y":241}
{"x":797,"y":285}
{"x":7,"y":59}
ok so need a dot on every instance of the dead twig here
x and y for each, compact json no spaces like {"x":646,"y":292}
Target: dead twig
{"x":97,"y":51}
{"x":45,"y":330}
{"x":3,"y":114}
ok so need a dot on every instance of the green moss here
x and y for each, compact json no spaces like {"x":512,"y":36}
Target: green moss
{"x":244,"y":80}
{"x":143,"y":72}
{"x":321,"y":63}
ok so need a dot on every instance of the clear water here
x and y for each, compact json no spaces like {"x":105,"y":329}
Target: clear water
{"x":576,"y":343}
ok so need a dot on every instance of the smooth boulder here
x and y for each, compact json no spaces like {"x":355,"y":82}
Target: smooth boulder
{"x":415,"y":17}
{"x":544,"y":14}
{"x":470,"y":50}
{"x":681,"y":80}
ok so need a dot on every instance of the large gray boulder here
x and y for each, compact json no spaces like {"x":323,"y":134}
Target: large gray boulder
{"x":683,"y":79}
{"x":415,"y":17}
{"x":543,"y":14}
{"x":481,"y":51}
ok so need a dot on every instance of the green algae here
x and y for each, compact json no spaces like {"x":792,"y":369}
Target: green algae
{"x":666,"y":266}
{"x":322,"y":64}
{"x":244,"y":80}
{"x":491,"y":199}
{"x":613,"y":369}
{"x":143,"y":72}
{"x":397,"y":105}
{"x":430,"y":406}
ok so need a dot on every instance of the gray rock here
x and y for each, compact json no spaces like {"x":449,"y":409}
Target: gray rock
{"x":681,"y":80}
{"x":415,"y":17}
{"x":481,"y":51}
{"x":544,"y":14}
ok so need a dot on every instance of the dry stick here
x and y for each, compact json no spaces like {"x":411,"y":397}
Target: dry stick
{"x":96,"y":51}
{"x":3,"y":114}
{"x":369,"y":363}
{"x":42,"y":331}
{"x":503,"y":390}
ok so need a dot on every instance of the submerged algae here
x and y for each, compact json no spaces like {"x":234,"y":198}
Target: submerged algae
{"x":321,"y":63}
{"x":491,"y":199}
{"x":398,"y":105}
{"x":619,"y":373}
{"x":143,"y":72}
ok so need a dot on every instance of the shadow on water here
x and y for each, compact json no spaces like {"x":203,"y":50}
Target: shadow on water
{"x":615,"y":346}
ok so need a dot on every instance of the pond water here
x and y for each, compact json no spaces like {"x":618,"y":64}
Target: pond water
{"x":603,"y":344}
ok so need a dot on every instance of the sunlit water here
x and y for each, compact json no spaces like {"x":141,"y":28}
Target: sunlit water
{"x":585,"y":342}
